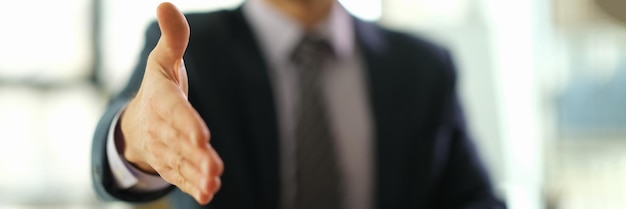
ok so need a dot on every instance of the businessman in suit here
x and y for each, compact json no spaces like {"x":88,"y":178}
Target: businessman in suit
{"x":288,"y":104}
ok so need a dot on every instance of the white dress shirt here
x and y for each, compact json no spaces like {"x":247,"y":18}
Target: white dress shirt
{"x":343,"y":82}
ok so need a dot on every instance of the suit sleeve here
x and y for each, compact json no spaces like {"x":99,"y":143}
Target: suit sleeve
{"x":102,"y":178}
{"x":465,"y":183}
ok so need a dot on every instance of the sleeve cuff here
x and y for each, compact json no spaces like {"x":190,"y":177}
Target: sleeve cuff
{"x":125,"y":175}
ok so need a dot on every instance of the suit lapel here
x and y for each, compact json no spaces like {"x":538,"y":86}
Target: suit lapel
{"x":379,"y":62}
{"x":259,"y":113}
{"x":373,"y":47}
{"x":400,"y":95}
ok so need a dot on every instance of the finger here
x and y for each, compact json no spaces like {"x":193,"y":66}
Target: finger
{"x":199,"y":173}
{"x":193,"y":177}
{"x":217,"y":165}
{"x":180,"y":173}
{"x":204,"y":199}
{"x":203,"y":184}
{"x":182,"y":168}
{"x":172,"y":176}
{"x":166,"y":57}
{"x":174,"y":34}
{"x":217,"y":184}
{"x":192,"y":174}
{"x":197,"y":155}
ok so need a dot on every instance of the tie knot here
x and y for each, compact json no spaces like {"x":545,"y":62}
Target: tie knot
{"x":311,"y":50}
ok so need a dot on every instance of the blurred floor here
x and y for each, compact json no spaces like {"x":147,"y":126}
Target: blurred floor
{"x":587,"y":172}
{"x":45,"y":146}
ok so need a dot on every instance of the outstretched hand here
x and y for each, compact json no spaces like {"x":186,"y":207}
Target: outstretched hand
{"x":163,"y":134}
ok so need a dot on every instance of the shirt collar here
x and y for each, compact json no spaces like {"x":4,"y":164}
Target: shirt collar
{"x":278,"y":34}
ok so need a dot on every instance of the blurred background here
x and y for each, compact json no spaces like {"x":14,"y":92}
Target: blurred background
{"x":543,"y":83}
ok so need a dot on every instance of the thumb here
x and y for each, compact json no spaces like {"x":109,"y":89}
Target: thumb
{"x":166,"y":57}
{"x":174,"y":38}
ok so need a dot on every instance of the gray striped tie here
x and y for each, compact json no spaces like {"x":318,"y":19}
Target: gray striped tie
{"x":317,"y":176}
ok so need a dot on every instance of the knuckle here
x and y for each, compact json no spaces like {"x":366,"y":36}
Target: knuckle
{"x":219,"y":166}
{"x":171,"y":140}
{"x":163,"y":164}
{"x":152,"y":133}
{"x":205,"y":133}
{"x":148,"y":146}
{"x":217,"y":184}
{"x":218,"y":160}
{"x":180,"y":165}
{"x":172,"y":160}
{"x":160,"y":162}
{"x":201,"y":134}
{"x":180,"y":181}
{"x":168,"y":176}
{"x":159,"y":166}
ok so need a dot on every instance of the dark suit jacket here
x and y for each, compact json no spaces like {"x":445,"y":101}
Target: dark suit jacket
{"x":424,"y":158}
